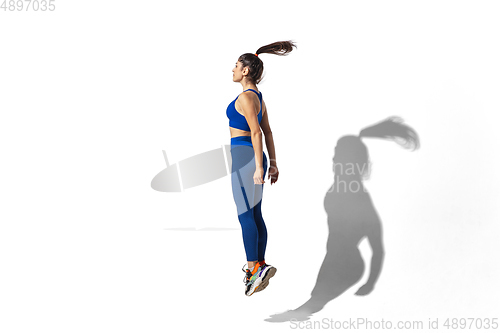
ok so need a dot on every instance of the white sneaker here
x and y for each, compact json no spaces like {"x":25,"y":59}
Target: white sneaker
{"x":252,"y":281}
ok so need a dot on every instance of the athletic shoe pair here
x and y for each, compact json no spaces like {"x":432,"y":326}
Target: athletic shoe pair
{"x":257,"y":279}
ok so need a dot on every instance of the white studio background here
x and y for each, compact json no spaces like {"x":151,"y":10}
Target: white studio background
{"x":92,"y":92}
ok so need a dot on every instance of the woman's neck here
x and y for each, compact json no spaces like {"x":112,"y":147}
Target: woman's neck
{"x":247,"y":86}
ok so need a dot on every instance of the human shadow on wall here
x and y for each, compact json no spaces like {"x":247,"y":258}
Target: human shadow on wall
{"x":351,"y":218}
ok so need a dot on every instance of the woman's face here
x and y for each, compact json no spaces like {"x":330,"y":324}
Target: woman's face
{"x":238,"y":72}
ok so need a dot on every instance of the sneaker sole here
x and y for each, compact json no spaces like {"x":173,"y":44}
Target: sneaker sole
{"x":265,"y":281}
{"x":262,"y":286}
{"x":254,"y":286}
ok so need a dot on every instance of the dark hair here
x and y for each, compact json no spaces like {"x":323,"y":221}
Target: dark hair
{"x":255,"y":64}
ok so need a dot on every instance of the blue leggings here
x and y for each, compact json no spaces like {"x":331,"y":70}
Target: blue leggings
{"x":248,"y":196}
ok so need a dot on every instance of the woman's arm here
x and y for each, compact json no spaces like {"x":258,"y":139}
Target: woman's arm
{"x":249,"y":110}
{"x":375,"y":240}
{"x":266,"y":128}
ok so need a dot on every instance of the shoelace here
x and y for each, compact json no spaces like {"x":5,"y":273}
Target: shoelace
{"x":248,"y":274}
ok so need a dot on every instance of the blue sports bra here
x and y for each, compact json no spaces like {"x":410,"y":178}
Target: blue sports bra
{"x":236,"y":119}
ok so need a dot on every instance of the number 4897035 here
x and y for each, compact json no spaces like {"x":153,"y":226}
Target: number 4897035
{"x":26,"y":5}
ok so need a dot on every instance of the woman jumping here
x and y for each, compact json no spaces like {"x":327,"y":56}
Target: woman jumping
{"x":247,"y":116}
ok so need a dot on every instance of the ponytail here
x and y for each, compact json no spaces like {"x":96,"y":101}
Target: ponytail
{"x":394,"y":129}
{"x":255,"y":64}
{"x":278,"y":48}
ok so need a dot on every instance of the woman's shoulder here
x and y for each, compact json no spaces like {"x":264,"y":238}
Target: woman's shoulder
{"x":245,"y":96}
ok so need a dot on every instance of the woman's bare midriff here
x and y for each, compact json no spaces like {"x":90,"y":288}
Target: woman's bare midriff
{"x":237,"y":132}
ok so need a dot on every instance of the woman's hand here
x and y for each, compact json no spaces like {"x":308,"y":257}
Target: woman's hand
{"x":258,"y":177}
{"x":273,"y":174}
